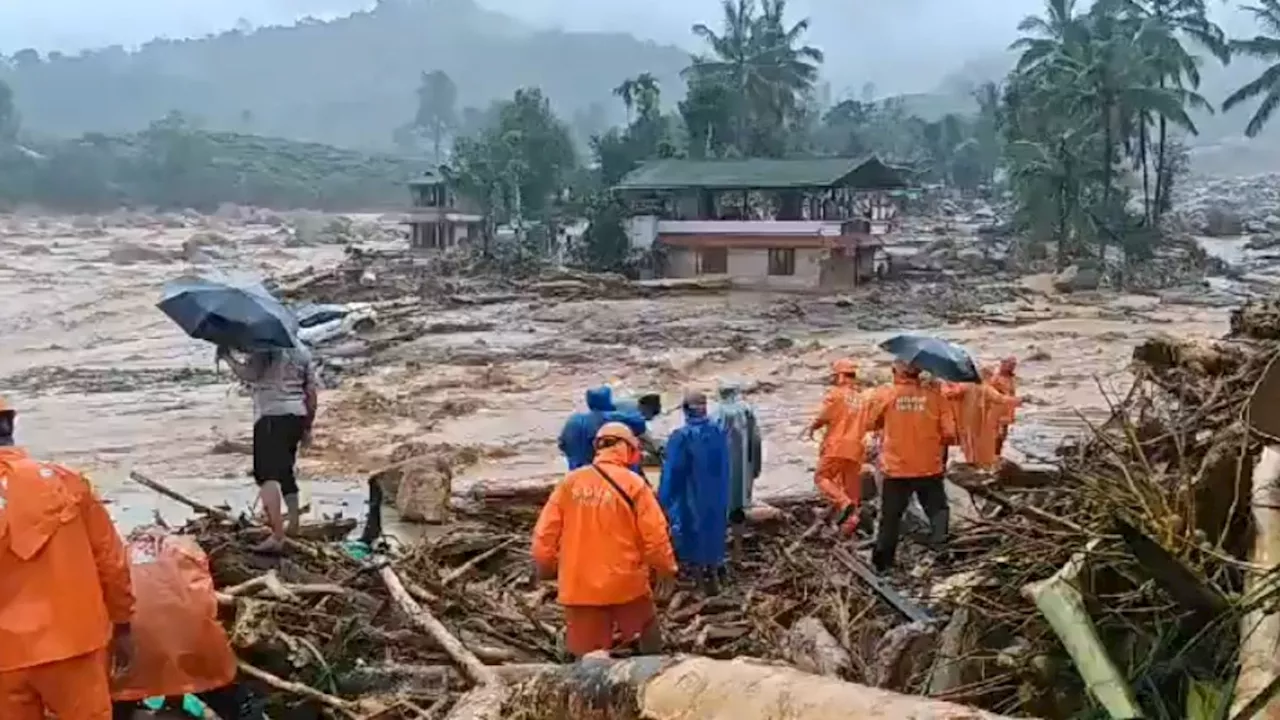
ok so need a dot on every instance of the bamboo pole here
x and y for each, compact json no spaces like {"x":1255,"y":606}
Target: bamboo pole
{"x":1061,"y":603}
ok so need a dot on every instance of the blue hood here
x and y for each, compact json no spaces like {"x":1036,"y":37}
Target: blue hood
{"x":600,"y":399}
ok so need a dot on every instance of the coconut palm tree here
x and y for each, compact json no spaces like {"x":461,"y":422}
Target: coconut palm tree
{"x":1181,"y":22}
{"x":757,"y":57}
{"x":1264,"y":47}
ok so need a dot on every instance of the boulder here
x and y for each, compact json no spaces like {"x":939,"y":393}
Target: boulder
{"x":422,"y":487}
{"x":1074,"y":278}
{"x":1222,"y":222}
{"x":1262,"y":241}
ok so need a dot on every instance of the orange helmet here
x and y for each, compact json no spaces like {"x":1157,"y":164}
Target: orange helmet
{"x":5,"y":407}
{"x":617,"y":431}
{"x":844,"y":366}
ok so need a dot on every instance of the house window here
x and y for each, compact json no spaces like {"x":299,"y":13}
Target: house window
{"x":782,"y":261}
{"x":713,"y":261}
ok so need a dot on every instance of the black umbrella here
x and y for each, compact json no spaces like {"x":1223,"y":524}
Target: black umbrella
{"x":943,"y":359}
{"x":241,"y":316}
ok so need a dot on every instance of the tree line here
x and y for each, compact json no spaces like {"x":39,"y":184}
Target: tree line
{"x":1085,"y":136}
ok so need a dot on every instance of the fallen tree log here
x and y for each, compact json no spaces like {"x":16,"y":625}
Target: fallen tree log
{"x":1260,"y":626}
{"x":697,"y":688}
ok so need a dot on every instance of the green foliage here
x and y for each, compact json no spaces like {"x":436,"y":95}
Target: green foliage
{"x":518,"y":169}
{"x":173,"y":164}
{"x":437,"y":115}
{"x":766,"y":75}
{"x":1094,"y":93}
{"x":1264,"y":47}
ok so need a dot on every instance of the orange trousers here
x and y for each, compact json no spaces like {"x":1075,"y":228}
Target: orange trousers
{"x":840,"y":482}
{"x":588,"y":628}
{"x":74,"y":689}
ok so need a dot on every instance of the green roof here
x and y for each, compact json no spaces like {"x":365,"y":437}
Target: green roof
{"x":761,"y":174}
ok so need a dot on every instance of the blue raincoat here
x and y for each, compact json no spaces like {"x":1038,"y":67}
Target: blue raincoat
{"x":694,"y":491}
{"x":577,"y":439}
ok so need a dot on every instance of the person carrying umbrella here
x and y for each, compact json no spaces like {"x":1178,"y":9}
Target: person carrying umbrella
{"x":285,"y":399}
{"x":916,"y":426}
{"x":278,"y":370}
{"x":66,"y":599}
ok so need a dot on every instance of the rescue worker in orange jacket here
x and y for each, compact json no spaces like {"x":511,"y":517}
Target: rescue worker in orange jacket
{"x":66,"y":599}
{"x":916,"y":426}
{"x":181,"y":647}
{"x":1006,"y":382}
{"x":843,"y":415}
{"x":602,"y":534}
{"x":979,"y":410}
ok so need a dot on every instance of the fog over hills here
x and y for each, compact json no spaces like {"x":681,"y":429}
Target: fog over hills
{"x":348,"y":80}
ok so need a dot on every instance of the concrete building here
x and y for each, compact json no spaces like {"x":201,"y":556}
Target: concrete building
{"x":437,"y":218}
{"x":784,"y":224}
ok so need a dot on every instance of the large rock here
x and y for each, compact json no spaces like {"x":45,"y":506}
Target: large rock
{"x":1074,"y":278}
{"x":1222,"y":222}
{"x":422,"y":487}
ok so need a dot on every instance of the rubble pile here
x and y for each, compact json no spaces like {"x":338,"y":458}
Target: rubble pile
{"x":1135,"y":554}
{"x":325,"y":620}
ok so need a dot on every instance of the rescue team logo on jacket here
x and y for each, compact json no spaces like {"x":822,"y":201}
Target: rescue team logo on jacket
{"x":592,"y":496}
{"x":909,"y":403}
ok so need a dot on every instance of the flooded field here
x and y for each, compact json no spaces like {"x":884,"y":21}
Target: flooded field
{"x":105,"y":382}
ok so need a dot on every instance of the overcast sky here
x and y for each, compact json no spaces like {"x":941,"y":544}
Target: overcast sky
{"x":915,"y":42}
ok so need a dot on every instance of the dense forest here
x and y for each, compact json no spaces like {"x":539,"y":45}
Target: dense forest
{"x":1086,"y":136}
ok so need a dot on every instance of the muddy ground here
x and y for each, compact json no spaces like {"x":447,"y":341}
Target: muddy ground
{"x":106,"y":383}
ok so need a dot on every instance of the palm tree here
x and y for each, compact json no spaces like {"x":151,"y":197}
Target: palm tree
{"x":755,"y":55}
{"x":1266,"y":85}
{"x":627,"y":91}
{"x":1174,"y":66}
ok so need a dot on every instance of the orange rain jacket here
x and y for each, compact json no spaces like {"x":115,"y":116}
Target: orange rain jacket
{"x":845,"y":413}
{"x":841,"y":415}
{"x":1007,"y":384}
{"x":980,"y":410}
{"x":180,"y":647}
{"x":64,"y":573}
{"x":603,"y":546}
{"x":916,"y":424}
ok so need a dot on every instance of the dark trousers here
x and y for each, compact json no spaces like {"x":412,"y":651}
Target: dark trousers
{"x":895,"y":496}
{"x":232,"y":702}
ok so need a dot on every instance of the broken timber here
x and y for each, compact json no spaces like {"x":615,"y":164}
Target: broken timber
{"x":909,"y":610}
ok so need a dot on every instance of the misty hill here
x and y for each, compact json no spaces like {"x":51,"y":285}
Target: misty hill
{"x":346,"y":82}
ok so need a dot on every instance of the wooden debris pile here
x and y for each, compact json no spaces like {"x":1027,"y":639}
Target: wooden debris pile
{"x":1139,"y":550}
{"x":323,"y":620}
{"x":458,"y":279}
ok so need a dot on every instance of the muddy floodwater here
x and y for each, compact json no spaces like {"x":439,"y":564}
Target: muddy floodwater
{"x":104,"y":382}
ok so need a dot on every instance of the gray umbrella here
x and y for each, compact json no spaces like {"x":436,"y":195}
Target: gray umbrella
{"x":241,"y":316}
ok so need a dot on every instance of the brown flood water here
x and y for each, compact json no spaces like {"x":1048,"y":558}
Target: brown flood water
{"x":107,"y":384}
